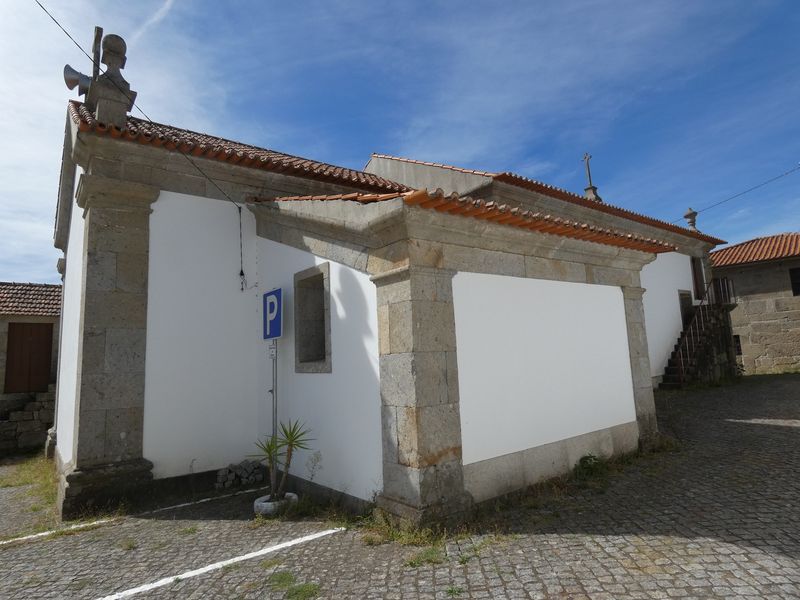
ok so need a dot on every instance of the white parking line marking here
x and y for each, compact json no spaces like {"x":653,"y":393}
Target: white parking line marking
{"x":219,"y":565}
{"x":34,"y":536}
{"x":209,"y":499}
{"x":26,"y":538}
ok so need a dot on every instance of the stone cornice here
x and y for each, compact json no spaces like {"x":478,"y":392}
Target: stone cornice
{"x":99,"y":191}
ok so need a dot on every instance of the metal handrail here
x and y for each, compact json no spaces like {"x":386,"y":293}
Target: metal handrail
{"x":719,"y":291}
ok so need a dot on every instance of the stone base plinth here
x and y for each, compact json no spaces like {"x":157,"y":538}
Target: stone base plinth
{"x":101,"y":487}
{"x":456,"y":511}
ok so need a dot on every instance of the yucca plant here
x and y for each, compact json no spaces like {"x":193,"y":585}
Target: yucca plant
{"x":279,"y":450}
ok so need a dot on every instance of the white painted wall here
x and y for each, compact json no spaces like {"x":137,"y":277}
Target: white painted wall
{"x":201,"y":386}
{"x":662,"y":279}
{"x":207,"y":371}
{"x":342,"y":407}
{"x":70,"y":340}
{"x":538,"y":362}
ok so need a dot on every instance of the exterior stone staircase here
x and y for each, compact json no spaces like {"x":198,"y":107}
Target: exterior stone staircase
{"x":704,"y":352}
{"x":24,"y":421}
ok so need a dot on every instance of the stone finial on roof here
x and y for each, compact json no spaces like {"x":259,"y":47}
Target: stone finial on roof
{"x":691,"y":218}
{"x":110,"y":96}
{"x":591,"y":189}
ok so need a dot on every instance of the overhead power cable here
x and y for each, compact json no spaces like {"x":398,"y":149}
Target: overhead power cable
{"x":149,"y":120}
{"x":747,"y":191}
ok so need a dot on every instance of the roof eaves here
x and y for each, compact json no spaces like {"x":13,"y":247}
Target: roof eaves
{"x":200,"y":145}
{"x":506,"y":215}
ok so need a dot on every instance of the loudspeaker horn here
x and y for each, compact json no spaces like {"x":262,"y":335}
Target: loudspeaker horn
{"x":75,"y":78}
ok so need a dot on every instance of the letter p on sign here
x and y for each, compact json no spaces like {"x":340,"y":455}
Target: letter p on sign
{"x":273,"y":314}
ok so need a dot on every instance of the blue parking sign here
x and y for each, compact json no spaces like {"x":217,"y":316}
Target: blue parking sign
{"x":273,"y":314}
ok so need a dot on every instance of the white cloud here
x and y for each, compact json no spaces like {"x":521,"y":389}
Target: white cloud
{"x":155,"y":19}
{"x":173,"y":86}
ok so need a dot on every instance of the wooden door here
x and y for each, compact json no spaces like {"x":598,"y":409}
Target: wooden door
{"x":30,"y":347}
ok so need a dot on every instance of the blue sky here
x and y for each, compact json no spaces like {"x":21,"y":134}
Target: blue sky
{"x":681,"y":103}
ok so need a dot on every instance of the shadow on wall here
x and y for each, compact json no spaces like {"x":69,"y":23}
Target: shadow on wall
{"x":352,"y":311}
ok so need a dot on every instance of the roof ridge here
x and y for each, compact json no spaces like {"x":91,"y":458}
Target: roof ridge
{"x":512,"y":178}
{"x":755,"y":239}
{"x":414,"y":161}
{"x":30,"y":283}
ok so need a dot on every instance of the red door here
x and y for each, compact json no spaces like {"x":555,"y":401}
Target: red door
{"x":28,"y":357}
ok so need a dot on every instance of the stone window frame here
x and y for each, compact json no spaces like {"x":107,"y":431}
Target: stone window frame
{"x":319,"y":366}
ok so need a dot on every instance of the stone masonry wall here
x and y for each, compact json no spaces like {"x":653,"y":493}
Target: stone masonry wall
{"x":767,"y":316}
{"x":24,"y":421}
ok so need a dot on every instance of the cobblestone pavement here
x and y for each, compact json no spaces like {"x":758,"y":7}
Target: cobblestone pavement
{"x":718,"y":519}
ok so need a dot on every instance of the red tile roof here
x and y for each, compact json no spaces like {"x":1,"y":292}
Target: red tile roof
{"x":502,"y":214}
{"x":782,"y":245}
{"x":206,"y":146}
{"x":363,"y":198}
{"x":30,"y":299}
{"x":567,"y":196}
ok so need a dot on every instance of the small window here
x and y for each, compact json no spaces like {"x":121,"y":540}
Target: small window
{"x":737,"y":344}
{"x":794,"y":276}
{"x":312,"y":328}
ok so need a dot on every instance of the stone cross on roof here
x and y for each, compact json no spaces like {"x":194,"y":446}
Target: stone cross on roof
{"x":591,"y":189}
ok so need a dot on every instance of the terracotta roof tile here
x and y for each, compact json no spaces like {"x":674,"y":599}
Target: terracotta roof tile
{"x":30,"y":299}
{"x":567,"y":196}
{"x":501,"y":214}
{"x":215,"y":148}
{"x":773,"y":247}
{"x":363,"y":198}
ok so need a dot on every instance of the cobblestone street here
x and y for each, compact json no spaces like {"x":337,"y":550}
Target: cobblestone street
{"x":720,"y":518}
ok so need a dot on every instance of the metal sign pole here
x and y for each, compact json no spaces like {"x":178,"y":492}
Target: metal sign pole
{"x":273,"y":329}
{"x":273,"y":354}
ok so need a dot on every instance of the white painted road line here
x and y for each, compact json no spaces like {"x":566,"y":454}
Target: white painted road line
{"x":34,"y":536}
{"x":201,"y":501}
{"x":218,"y":565}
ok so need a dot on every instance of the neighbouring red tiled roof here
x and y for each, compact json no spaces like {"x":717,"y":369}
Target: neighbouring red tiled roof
{"x":773,"y":247}
{"x":567,"y":196}
{"x":215,"y":148}
{"x":501,"y":214}
{"x":30,"y":299}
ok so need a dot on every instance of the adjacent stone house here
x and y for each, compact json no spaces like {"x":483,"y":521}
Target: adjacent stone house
{"x":29,"y":323}
{"x":766,"y":321}
{"x":444,"y":348}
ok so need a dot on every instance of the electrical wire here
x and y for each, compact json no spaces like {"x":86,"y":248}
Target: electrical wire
{"x":242,"y":277}
{"x":747,"y":191}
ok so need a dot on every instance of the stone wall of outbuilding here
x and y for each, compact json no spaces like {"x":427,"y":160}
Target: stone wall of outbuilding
{"x":25,"y":417}
{"x":767,"y":316}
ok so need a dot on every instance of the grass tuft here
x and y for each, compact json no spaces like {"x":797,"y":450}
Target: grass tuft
{"x":428,"y":556}
{"x":269,"y":563}
{"x":303,"y":591}
{"x":128,"y":544}
{"x":281,"y":580}
{"x":188,"y":530}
